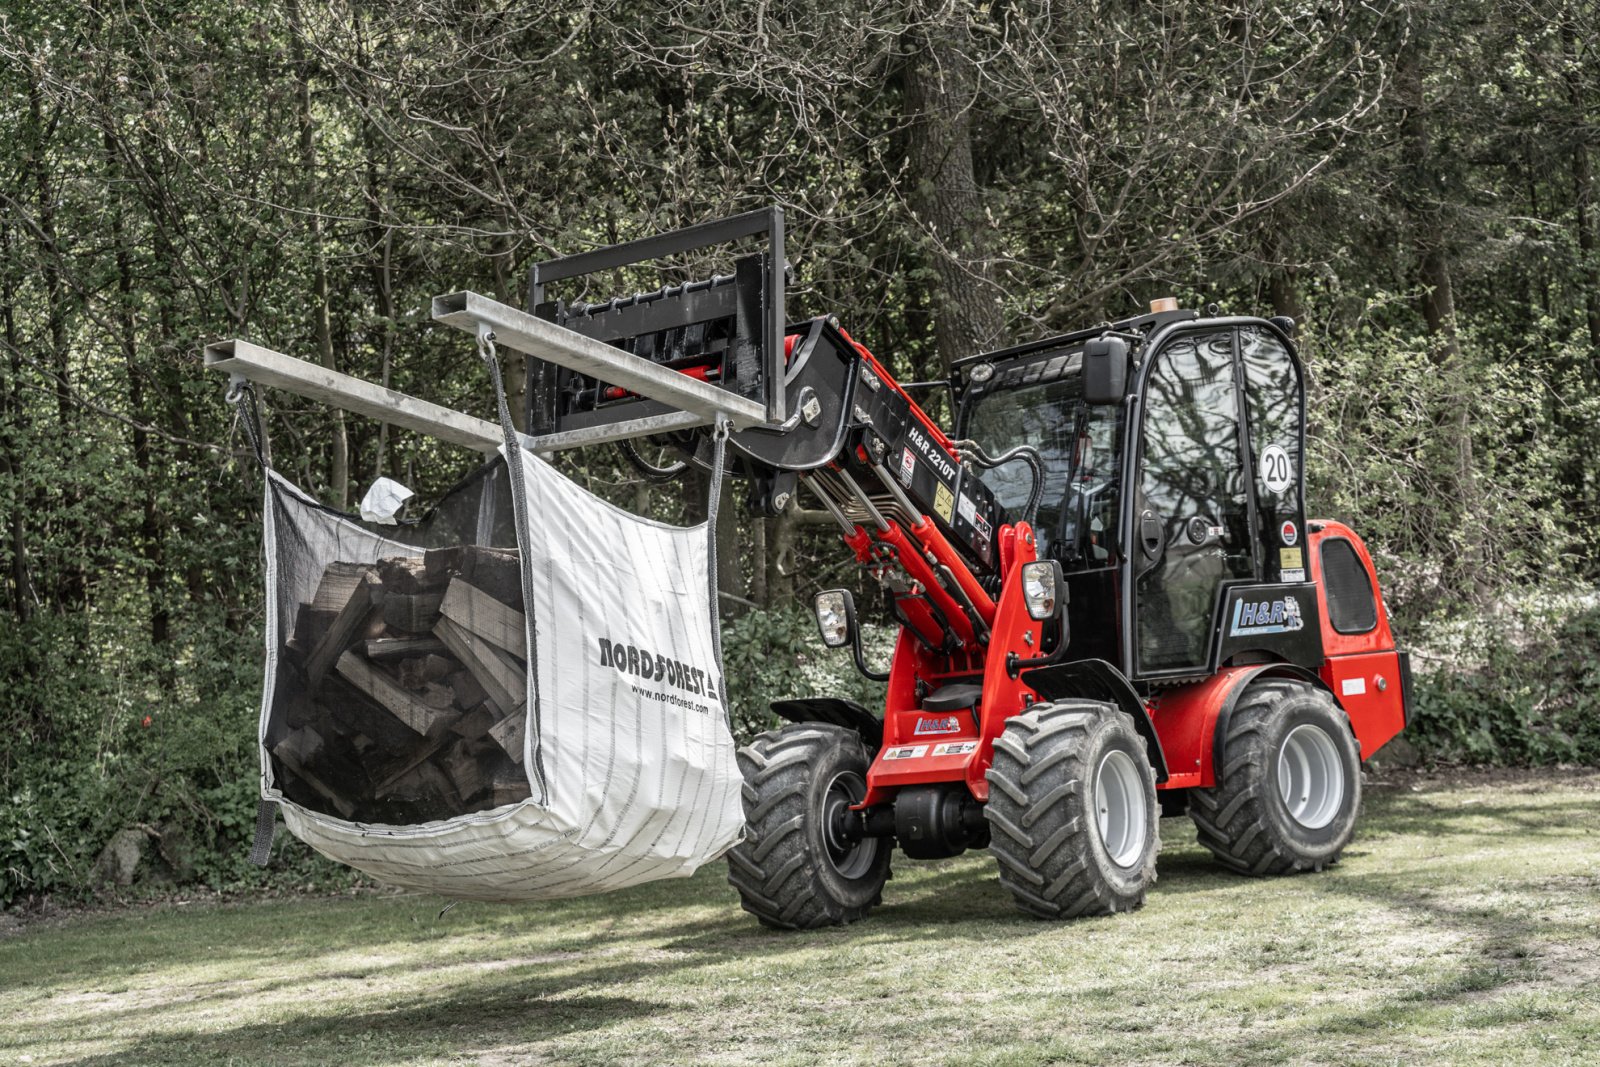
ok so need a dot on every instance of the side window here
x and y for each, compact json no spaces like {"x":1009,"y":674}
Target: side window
{"x":1352,"y":609}
{"x":1272,"y":400}
{"x":1086,"y":535}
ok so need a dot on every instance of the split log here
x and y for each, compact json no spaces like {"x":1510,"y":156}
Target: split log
{"x":469,"y":771}
{"x":406,"y":707}
{"x":428,"y":787}
{"x":497,"y":571}
{"x":404,"y":648}
{"x":352,"y":614}
{"x":510,"y":733}
{"x":338,"y":584}
{"x":469,"y":694}
{"x":500,"y":676}
{"x":297,"y":751}
{"x":476,"y":611}
{"x":309,"y":626}
{"x":349,"y":711}
{"x":423,"y":672}
{"x":475,"y":723}
{"x":406,"y":575}
{"x":437,"y":696}
{"x":412,"y":613}
{"x":509,"y":789}
{"x":420,"y":755}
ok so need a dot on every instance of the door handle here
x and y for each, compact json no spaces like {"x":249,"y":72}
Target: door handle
{"x":1150,"y":534}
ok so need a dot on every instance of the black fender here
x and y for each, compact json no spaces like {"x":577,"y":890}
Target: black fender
{"x":1095,"y":679}
{"x":1219,"y":735}
{"x":835,"y":711}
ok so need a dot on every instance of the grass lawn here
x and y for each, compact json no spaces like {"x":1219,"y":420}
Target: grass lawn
{"x":1462,"y":927}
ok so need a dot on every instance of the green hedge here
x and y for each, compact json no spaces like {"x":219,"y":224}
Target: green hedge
{"x":1522,"y":689}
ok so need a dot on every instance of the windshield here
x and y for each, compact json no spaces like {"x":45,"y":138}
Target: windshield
{"x":1079,"y":445}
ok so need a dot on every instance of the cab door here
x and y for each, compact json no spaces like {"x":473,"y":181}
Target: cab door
{"x":1192,"y":515}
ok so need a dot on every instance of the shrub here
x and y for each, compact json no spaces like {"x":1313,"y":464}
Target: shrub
{"x":1522,"y":688}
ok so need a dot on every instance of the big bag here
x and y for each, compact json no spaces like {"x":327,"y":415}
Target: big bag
{"x":403,"y":733}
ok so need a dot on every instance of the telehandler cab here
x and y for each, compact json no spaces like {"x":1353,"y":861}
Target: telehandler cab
{"x":1111,"y":602}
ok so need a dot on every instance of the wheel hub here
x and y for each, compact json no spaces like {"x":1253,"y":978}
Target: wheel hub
{"x":850,"y":854}
{"x":1310,"y":776}
{"x":1121,"y":808}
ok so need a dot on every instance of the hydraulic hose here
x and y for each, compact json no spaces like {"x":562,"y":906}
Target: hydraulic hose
{"x":974,"y":453}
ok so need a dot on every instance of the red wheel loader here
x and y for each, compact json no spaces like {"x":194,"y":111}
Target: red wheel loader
{"x":1112,"y":605}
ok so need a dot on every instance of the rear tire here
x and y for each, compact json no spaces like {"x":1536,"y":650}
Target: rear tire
{"x":793,"y":870}
{"x":1290,"y":787}
{"x":1072,"y":808}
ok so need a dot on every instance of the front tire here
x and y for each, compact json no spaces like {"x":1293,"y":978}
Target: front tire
{"x":1072,"y":808}
{"x":1290,"y":787}
{"x":795,"y":870}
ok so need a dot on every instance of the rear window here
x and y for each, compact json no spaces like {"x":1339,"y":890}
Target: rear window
{"x":1351,"y":606}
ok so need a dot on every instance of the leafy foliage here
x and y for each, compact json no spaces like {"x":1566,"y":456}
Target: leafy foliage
{"x":1532,"y":698}
{"x":778,"y":654}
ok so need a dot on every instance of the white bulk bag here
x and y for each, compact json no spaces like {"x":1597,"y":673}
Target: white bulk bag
{"x":627,"y":751}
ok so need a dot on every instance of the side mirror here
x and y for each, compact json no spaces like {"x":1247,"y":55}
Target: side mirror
{"x":836,"y":621}
{"x":1105,"y":370}
{"x":836,"y":617}
{"x":1044,"y":592}
{"x":1043,"y":588}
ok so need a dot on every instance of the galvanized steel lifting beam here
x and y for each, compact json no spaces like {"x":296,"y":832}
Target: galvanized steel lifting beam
{"x":315,"y":382}
{"x":698,"y":403}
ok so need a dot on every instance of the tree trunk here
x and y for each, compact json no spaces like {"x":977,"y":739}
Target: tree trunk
{"x":380,"y":243}
{"x":944,"y":194}
{"x":151,"y":539}
{"x":71,"y":583}
{"x":1430,"y":238}
{"x":757,"y":550}
{"x":11,"y":431}
{"x":1583,"y":198}
{"x":780,"y":558}
{"x":340,"y":475}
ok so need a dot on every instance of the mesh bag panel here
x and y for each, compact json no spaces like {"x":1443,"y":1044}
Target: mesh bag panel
{"x":381,"y":711}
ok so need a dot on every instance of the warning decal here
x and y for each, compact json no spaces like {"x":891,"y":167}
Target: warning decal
{"x":944,"y":503}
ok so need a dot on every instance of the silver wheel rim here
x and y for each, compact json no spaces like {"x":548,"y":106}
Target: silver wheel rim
{"x":1121,"y":810}
{"x":1310,"y":776}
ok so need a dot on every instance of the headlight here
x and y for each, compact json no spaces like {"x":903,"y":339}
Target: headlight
{"x":1041,"y":587}
{"x":833,"y":617}
{"x":981,"y":373}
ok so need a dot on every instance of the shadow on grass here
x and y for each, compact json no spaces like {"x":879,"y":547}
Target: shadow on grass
{"x":472,"y":1018}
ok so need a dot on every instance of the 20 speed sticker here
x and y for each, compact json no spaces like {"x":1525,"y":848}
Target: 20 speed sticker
{"x":1275,"y":469}
{"x":955,"y":748}
{"x":905,"y":752}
